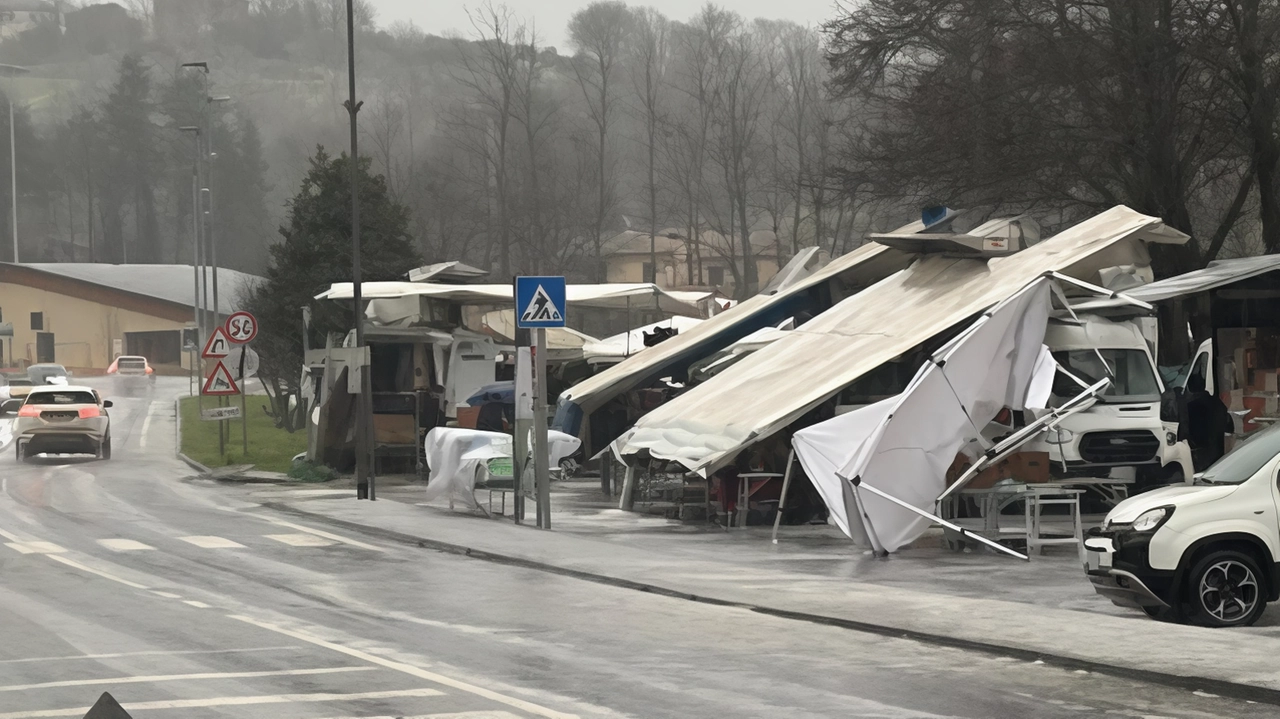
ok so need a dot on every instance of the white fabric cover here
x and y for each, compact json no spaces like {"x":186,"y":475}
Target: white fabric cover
{"x":453,"y":454}
{"x":904,"y":445}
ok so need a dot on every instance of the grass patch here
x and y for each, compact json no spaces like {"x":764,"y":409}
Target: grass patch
{"x":270,"y":449}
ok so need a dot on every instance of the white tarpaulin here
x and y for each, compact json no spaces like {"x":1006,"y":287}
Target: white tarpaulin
{"x":454,"y":455}
{"x":620,"y":346}
{"x":904,"y":445}
{"x":616,"y":295}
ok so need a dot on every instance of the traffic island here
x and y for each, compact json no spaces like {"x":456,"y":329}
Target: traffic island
{"x":270,"y":448}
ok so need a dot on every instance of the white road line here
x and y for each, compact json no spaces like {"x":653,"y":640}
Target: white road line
{"x":99,"y":572}
{"x":9,"y":535}
{"x":228,"y":702}
{"x":166,"y":595}
{"x":35,"y":547}
{"x":326,"y":535}
{"x":450,"y":715}
{"x":153,"y":653}
{"x":197,"y":605}
{"x":409,"y":669}
{"x":212,"y":542}
{"x":183,"y":677}
{"x":146,"y":423}
{"x":124,"y":545}
{"x":301,"y":540}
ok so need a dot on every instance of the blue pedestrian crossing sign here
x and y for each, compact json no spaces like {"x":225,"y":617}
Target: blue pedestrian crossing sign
{"x":539,"y":302}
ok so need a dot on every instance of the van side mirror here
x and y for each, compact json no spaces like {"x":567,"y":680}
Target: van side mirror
{"x":107,"y":404}
{"x":10,"y":406}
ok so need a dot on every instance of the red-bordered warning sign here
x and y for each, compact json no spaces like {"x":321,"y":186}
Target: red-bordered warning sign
{"x":218,"y":345}
{"x":219,"y":382}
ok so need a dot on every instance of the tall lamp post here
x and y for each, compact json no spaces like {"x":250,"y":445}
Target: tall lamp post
{"x":9,"y":71}
{"x":197,"y":263}
{"x":364,"y":477}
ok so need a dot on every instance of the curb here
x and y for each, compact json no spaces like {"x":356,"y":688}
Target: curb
{"x":1234,"y":690}
{"x":177,"y":445}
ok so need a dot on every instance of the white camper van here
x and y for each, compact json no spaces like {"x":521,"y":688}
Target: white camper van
{"x":1122,"y":436}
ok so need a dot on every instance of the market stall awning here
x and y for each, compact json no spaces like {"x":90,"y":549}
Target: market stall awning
{"x":617,"y":296}
{"x":904,"y":445}
{"x":620,"y":346}
{"x":1217,"y":274}
{"x":864,"y":266}
{"x":707,"y":426}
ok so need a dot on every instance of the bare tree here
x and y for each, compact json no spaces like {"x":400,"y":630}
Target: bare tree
{"x":598,"y":31}
{"x":649,"y":65}
{"x":490,"y":73}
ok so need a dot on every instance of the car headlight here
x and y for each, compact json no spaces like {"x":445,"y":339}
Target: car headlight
{"x":1060,"y":436}
{"x":1151,"y":519}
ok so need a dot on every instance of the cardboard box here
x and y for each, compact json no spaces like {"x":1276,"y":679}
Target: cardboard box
{"x":986,"y":479}
{"x":1029,"y":467}
{"x":468,"y":416}
{"x":394,"y":429}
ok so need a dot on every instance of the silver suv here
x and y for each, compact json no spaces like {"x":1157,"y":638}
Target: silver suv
{"x":60,"y":420}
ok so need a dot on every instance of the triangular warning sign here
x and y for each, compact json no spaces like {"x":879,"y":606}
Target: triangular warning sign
{"x":107,"y":708}
{"x":218,"y":346}
{"x":541,"y":308}
{"x":220,"y":382}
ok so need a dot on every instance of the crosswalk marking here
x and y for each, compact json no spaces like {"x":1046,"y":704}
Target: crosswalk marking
{"x":206,"y":542}
{"x":35,"y":547}
{"x":194,"y":603}
{"x":166,"y":595}
{"x":124,"y":545}
{"x":229,"y":702}
{"x":301,"y":540}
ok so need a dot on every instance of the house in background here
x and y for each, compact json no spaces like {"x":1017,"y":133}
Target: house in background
{"x":18,"y":16}
{"x":714,"y":259}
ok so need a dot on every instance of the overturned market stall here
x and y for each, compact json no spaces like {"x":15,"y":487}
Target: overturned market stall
{"x":706,"y":428}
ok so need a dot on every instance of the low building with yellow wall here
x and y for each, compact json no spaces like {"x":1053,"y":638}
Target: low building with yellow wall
{"x":84,"y":315}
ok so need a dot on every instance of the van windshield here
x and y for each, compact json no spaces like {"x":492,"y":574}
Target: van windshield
{"x":1245,"y":460}
{"x":1133,"y":375}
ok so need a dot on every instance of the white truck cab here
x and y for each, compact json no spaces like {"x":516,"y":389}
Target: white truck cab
{"x":1122,"y":435}
{"x":1205,"y":553}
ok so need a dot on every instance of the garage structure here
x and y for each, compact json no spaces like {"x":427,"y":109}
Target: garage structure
{"x":84,"y":315}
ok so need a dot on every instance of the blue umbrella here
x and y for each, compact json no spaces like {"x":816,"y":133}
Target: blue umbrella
{"x":504,"y":392}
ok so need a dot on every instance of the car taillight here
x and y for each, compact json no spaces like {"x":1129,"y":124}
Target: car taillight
{"x":90,"y":412}
{"x":150,"y":370}
{"x":29,"y":410}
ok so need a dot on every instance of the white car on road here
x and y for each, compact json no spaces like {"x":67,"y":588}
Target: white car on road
{"x":61,"y":420}
{"x":1205,"y":553}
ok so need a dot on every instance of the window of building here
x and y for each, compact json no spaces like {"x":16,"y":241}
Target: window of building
{"x":715,"y":276}
{"x":37,"y":321}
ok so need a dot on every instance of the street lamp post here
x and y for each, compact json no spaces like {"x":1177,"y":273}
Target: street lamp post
{"x":197,"y":264}
{"x":364,"y":477}
{"x":13,"y":71}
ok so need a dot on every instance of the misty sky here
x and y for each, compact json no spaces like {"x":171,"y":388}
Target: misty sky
{"x":552,"y":16}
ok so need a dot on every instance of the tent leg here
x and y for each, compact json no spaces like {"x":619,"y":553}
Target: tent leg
{"x":876,"y":547}
{"x":782,"y":501}
{"x":627,"y":500}
{"x":933,"y":517}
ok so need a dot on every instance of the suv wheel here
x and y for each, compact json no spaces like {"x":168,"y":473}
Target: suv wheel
{"x":1225,"y":590}
{"x":106,"y":448}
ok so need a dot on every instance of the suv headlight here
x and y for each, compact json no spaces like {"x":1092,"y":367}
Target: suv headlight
{"x":1151,"y":519}
{"x":1060,"y":436}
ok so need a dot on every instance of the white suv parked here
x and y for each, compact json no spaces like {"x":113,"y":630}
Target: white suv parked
{"x":1205,"y":553}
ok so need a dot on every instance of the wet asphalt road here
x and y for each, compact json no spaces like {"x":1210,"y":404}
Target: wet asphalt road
{"x":188,"y":599}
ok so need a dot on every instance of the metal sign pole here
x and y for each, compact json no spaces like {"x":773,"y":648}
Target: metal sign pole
{"x":244,"y":407}
{"x":541,"y":458}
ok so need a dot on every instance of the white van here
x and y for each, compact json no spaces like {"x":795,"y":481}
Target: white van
{"x":1122,"y":436}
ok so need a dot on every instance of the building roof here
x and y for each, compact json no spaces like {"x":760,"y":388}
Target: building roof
{"x":170,"y":283}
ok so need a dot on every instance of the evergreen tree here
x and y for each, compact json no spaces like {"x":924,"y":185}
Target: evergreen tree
{"x":314,"y":254}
